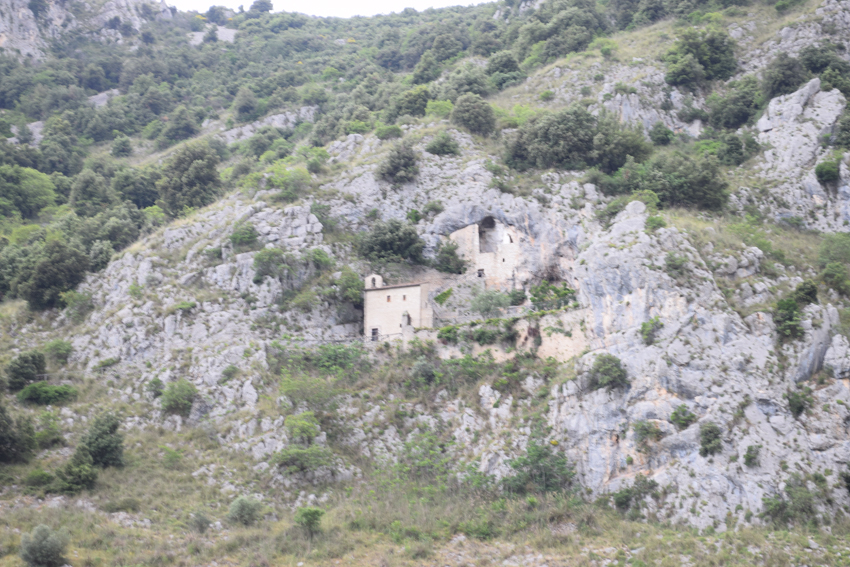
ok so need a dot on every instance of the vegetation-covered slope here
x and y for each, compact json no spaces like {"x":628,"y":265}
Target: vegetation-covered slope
{"x":190,"y":204}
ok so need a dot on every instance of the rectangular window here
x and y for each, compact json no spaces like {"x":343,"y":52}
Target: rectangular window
{"x":480,"y":273}
{"x":404,"y":298}
{"x":374,"y":335}
{"x":388,"y":299}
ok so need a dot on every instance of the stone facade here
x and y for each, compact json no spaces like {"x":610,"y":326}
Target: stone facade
{"x":390,"y":310}
{"x":493,"y":252}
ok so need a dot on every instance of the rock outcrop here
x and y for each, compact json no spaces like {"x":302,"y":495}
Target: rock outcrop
{"x":24,"y":33}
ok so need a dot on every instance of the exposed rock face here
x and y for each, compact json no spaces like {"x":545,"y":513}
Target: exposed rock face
{"x":837,"y":358}
{"x":26,"y":34}
{"x":705,"y":358}
{"x":284,"y":120}
{"x":792,"y":129}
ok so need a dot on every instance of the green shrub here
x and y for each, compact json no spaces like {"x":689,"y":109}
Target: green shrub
{"x":540,"y":470}
{"x":797,"y":506}
{"x":24,"y":369}
{"x":292,"y":182}
{"x":300,"y":459}
{"x":448,"y":334}
{"x":547,"y":296}
{"x":645,"y":432}
{"x":677,"y":179}
{"x":57,"y":269}
{"x":77,"y":305}
{"x":661,"y":135}
{"x":24,"y":191}
{"x":245,"y":104}
{"x":190,"y":179}
{"x":155,"y":387}
{"x":272,"y":262}
{"x":351,"y":287}
{"x":827,"y":171}
{"x":653,"y":223}
{"x":439,"y":108}
{"x":411,"y":103}
{"x":388,"y":132}
{"x":546,"y":96}
{"x":649,"y":329}
{"x":607,"y":371}
{"x":122,"y":147}
{"x":357,"y":127}
{"x":740,"y":103}
{"x":484,"y":336}
{"x":575,"y":139}
{"x":475,"y":114}
{"x":443,"y":145}
{"x":681,"y":417}
{"x":806,"y":293}
{"x":835,"y":276}
{"x":309,"y":517}
{"x":393,"y":241}
{"x":642,"y":487}
{"x":44,"y":547}
{"x":229,"y":373}
{"x":49,"y":435}
{"x":181,"y":125}
{"x":103,"y":442}
{"x":400,"y":165}
{"x":443,"y":296}
{"x":710,"y":439}
{"x":38,"y":478}
{"x":178,"y":397}
{"x":751,"y":457}
{"x":783,"y":75}
{"x":468,"y":79}
{"x":834,"y":248}
{"x":302,"y":427}
{"x":786,"y":316}
{"x":424,"y":371}
{"x":107,"y":362}
{"x":799,"y":401}
{"x":59,"y":350}
{"x":489,"y":303}
{"x":701,"y":55}
{"x":244,"y":235}
{"x":413,"y":216}
{"x":17,"y":438}
{"x":447,"y":260}
{"x":517,"y":296}
{"x":433,"y":208}
{"x":183,"y":306}
{"x":244,"y":511}
{"x":45,"y":394}
{"x":675,"y":266}
{"x":76,"y":475}
{"x":842,"y":130}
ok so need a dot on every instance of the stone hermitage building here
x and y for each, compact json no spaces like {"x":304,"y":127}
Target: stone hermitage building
{"x":492,"y":253}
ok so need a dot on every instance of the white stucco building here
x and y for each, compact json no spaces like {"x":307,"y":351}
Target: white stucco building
{"x":389,"y":309}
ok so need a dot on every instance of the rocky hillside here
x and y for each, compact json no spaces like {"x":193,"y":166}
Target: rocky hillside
{"x":671,"y":346}
{"x":28,"y":28}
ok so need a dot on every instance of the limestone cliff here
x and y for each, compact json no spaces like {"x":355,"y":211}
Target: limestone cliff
{"x":24,"y":33}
